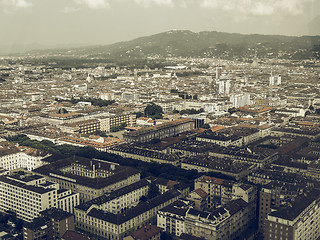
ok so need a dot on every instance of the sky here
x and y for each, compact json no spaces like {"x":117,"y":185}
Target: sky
{"x":90,"y":22}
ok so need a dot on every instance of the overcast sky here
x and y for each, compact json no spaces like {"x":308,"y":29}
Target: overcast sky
{"x":52,"y":22}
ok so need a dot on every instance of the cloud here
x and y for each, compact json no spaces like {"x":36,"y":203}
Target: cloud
{"x":258,"y":7}
{"x":148,"y":3}
{"x":94,"y":4}
{"x":16,"y":3}
{"x":68,"y":9}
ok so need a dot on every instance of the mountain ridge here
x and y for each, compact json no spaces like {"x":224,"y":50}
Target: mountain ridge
{"x":185,"y":43}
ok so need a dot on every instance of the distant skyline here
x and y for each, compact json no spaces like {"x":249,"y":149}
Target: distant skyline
{"x":90,"y":22}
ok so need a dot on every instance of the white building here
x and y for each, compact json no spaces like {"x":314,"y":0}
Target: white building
{"x":13,"y":157}
{"x":32,"y":158}
{"x":130,"y":96}
{"x":27,"y":195}
{"x":240,"y":100}
{"x":107,"y":95}
{"x":10,"y":156}
{"x":224,"y":86}
{"x":275,"y":80}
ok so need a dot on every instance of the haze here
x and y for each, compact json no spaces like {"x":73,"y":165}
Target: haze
{"x":91,"y":22}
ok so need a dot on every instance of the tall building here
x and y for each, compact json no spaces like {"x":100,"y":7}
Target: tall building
{"x":240,"y":100}
{"x":218,"y":72}
{"x":300,"y":220}
{"x":274,"y":80}
{"x":269,"y":199}
{"x":224,"y":86}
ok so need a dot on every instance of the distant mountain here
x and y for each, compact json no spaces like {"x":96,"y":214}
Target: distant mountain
{"x":204,"y":44}
{"x":24,"y":48}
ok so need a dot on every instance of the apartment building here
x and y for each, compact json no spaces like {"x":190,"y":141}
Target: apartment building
{"x":219,"y":190}
{"x":226,"y":222}
{"x":134,"y":152}
{"x":10,"y":156}
{"x":300,"y":220}
{"x":106,"y":123}
{"x":28,"y":195}
{"x":200,"y":199}
{"x":13,"y":157}
{"x":91,"y":178}
{"x":116,"y":226}
{"x":83,"y":127}
{"x":309,"y":132}
{"x":52,"y":224}
{"x":32,"y":158}
{"x":221,"y":140}
{"x":161,"y":131}
{"x":229,"y":167}
{"x":172,"y":217}
{"x":148,"y":232}
{"x":123,"y":198}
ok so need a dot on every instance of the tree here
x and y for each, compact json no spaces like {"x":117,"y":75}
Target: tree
{"x":138,"y":114}
{"x":154,"y":111}
{"x":191,"y":111}
{"x":118,"y":127}
{"x":100,"y":133}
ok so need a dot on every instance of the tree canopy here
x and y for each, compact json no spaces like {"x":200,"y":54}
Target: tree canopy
{"x":191,"y":111}
{"x":154,"y":111}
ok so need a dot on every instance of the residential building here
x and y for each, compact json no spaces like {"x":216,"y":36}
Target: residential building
{"x":161,"y":131}
{"x":229,"y":167}
{"x":91,"y":178}
{"x":219,"y":190}
{"x":297,"y":221}
{"x":13,"y":157}
{"x":117,"y":226}
{"x":148,"y":232}
{"x":52,"y":224}
{"x":83,"y":127}
{"x":226,"y":222}
{"x":200,"y":199}
{"x":130,"y":151}
{"x":107,"y":122}
{"x":27,"y":195}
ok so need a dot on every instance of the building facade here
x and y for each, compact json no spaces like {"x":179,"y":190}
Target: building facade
{"x":161,"y":131}
{"x":91,"y":178}
{"x":28,"y":195}
{"x":298,"y":221}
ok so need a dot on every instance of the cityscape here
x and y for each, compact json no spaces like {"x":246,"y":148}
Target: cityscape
{"x":181,"y":134}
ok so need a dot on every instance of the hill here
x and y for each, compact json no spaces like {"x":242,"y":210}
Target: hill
{"x":204,"y":44}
